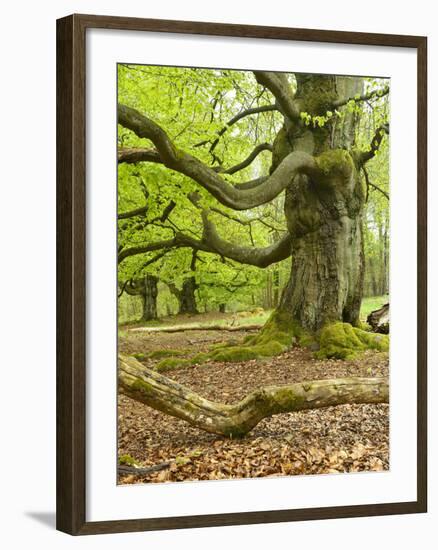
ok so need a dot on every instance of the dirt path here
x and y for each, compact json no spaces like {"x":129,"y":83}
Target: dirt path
{"x":347,"y":438}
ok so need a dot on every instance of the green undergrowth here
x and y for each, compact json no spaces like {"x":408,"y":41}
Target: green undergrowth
{"x":343,"y":341}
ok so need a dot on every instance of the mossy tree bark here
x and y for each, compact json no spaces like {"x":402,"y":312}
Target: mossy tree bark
{"x":318,"y":168}
{"x":166,"y":395}
{"x":324,"y":212}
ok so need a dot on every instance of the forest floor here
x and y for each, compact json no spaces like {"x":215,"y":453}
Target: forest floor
{"x":346,"y":438}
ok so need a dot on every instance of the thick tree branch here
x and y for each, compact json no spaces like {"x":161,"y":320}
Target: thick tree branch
{"x":363,"y":97}
{"x":279,"y":86}
{"x":132,"y":155}
{"x":159,"y":392}
{"x":233,"y":197}
{"x":260,"y":257}
{"x":150,"y":247}
{"x":251,"y":184}
{"x":212,"y":243}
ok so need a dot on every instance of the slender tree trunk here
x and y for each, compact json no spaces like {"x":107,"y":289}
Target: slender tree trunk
{"x":382,"y":282}
{"x":222,"y":307}
{"x":372,"y":289}
{"x":385,"y":258}
{"x":268,"y":290}
{"x":276,"y":285}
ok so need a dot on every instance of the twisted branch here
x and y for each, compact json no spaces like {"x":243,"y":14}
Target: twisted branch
{"x":233,"y":197}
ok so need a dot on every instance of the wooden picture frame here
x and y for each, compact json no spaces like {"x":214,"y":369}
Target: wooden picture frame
{"x":71,"y":273}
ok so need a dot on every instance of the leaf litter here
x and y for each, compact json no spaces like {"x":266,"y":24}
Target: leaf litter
{"x":345,"y":438}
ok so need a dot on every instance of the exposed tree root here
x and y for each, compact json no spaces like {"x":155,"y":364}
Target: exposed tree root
{"x":343,"y":341}
{"x":166,"y":395}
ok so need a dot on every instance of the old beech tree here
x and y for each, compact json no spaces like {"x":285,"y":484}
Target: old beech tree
{"x":318,"y":166}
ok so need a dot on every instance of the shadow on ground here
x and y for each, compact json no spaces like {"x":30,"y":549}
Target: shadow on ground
{"x":45,"y":518}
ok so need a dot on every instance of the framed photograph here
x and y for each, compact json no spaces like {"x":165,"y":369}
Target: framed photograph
{"x":239,"y":209}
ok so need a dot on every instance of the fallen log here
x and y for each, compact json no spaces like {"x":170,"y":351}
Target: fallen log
{"x":125,"y":470}
{"x":379,"y":319}
{"x":164,"y":394}
{"x":183,"y":328}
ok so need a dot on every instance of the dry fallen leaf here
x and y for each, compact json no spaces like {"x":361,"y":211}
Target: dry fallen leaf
{"x":348,"y":438}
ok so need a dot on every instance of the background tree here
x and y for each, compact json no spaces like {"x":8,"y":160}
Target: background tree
{"x":147,"y":288}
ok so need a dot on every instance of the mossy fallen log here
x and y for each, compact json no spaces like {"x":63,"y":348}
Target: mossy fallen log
{"x":159,"y":392}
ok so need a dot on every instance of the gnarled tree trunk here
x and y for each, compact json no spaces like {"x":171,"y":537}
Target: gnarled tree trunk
{"x":147,"y":288}
{"x":186,"y":296}
{"x":324,"y":215}
{"x":327,"y":272}
{"x":166,"y":395}
{"x":187,"y":300}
